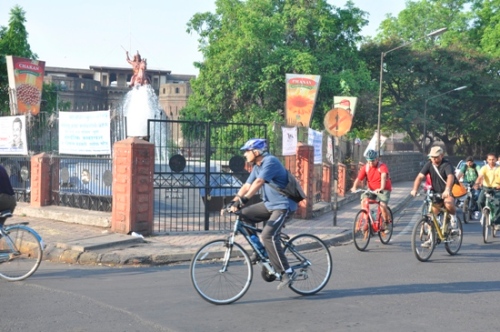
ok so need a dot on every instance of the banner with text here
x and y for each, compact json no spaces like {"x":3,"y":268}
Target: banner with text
{"x":301,"y":93}
{"x":289,"y":146}
{"x":13,"y":135}
{"x":315,"y":139}
{"x":84,"y":133}
{"x":25,"y":84}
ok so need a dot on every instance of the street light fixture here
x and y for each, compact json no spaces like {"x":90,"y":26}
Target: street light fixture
{"x":424,"y":138}
{"x":382,"y":55}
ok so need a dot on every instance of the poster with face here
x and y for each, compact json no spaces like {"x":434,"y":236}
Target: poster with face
{"x":13,"y":135}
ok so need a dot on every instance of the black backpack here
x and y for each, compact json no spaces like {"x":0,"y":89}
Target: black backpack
{"x":293,"y":190}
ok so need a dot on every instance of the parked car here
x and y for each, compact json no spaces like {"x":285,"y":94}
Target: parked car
{"x":479,"y":163}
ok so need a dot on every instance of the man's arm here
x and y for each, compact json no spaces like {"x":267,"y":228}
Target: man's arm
{"x":355,"y":185}
{"x":416,"y":183}
{"x":450,"y":179}
{"x":383,"y":179}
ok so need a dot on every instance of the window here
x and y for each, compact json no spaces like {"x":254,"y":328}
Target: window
{"x":176,"y":90}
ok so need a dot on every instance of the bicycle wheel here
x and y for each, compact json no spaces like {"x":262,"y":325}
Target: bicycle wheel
{"x":213,"y":282}
{"x":361,"y":230}
{"x":423,"y":239}
{"x":386,"y":234}
{"x":486,"y":224}
{"x":311,"y":260}
{"x":25,"y":257}
{"x":466,"y":210}
{"x":454,"y":238}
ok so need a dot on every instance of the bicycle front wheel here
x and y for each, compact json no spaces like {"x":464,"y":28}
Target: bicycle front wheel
{"x":454,"y":238}
{"x":423,"y":239}
{"x":486,"y":225}
{"x":21,"y":253}
{"x":466,"y":210}
{"x":386,"y":234}
{"x":310,"y":258}
{"x":361,"y":230}
{"x":220,"y":273}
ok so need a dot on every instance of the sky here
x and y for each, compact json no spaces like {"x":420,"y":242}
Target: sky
{"x":79,"y":34}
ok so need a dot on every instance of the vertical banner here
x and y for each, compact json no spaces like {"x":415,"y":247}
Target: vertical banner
{"x":289,"y":146}
{"x":25,"y":84}
{"x":13,"y":135}
{"x":84,"y":133}
{"x":315,"y":139}
{"x":301,"y":93}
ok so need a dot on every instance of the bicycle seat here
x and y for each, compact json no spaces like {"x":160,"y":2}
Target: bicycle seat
{"x":5,"y":214}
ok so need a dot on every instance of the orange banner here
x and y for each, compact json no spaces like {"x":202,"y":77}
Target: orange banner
{"x":25,"y":84}
{"x":301,"y":93}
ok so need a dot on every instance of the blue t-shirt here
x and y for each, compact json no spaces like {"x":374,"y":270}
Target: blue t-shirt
{"x":271,"y":170}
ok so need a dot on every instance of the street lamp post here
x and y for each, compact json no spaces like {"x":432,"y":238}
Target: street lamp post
{"x":424,"y":138}
{"x":382,"y":56}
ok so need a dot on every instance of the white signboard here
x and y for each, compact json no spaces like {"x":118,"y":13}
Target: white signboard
{"x":315,"y":138}
{"x":289,"y":141}
{"x":84,"y":133}
{"x":13,"y":135}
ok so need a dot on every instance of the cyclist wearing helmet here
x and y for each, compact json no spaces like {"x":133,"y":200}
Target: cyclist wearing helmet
{"x":274,"y":208}
{"x":377,"y":175}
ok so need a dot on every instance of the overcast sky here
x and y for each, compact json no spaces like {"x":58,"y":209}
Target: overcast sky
{"x":79,"y":34}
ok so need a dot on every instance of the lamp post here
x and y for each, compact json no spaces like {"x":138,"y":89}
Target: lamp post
{"x":382,"y":56}
{"x":424,"y":138}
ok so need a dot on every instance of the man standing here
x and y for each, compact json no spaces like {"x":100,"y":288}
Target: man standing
{"x":377,"y":175}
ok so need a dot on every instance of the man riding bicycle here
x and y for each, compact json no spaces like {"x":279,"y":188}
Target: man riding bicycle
{"x":442,"y":178}
{"x":275,"y":207}
{"x":470,"y":172}
{"x":377,"y":175}
{"x":489,"y":178}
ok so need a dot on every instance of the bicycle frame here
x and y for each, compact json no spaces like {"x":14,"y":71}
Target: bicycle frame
{"x":440,"y":229}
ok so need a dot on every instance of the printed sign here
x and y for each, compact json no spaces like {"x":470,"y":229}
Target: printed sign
{"x":301,"y":93}
{"x":84,"y":133}
{"x":13,"y":135}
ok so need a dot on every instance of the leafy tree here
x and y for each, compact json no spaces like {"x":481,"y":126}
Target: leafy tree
{"x":486,"y":26}
{"x":249,"y":46}
{"x":13,"y":41}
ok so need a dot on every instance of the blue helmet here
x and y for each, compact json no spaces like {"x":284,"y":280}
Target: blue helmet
{"x":255,"y":144}
{"x":371,"y":155}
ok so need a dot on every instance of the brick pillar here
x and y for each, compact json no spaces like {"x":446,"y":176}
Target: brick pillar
{"x":341,"y":180}
{"x":304,"y":171}
{"x":40,"y":180}
{"x":326,"y":192}
{"x":133,"y":192}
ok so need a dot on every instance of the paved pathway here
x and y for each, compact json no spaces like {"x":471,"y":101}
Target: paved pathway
{"x":84,"y":244}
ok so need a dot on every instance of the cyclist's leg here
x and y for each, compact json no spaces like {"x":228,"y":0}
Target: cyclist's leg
{"x":7,"y":202}
{"x":255,"y":213}
{"x":481,"y":199}
{"x":383,"y":198}
{"x":449,"y":204}
{"x":271,"y":239}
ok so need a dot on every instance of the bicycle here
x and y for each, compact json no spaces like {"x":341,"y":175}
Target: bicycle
{"x":221,"y":270}
{"x":369,"y":222}
{"x":488,"y":214}
{"x":469,"y":205}
{"x":21,"y":250}
{"x":433,"y":229}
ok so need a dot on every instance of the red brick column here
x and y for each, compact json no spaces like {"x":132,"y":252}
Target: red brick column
{"x":133,"y":192}
{"x":40,"y":180}
{"x":341,"y":180}
{"x":304,"y":171}
{"x":326,"y":192}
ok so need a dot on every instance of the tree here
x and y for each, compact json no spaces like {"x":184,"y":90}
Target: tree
{"x":249,"y":46}
{"x":13,"y":41}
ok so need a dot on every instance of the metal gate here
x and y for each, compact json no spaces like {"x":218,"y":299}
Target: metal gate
{"x":198,"y":169}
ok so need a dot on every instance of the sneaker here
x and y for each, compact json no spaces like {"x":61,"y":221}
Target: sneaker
{"x":427,"y":244}
{"x":476,"y":215}
{"x":254,"y":258}
{"x":386,"y":227}
{"x":453,"y":222}
{"x":287,"y":279}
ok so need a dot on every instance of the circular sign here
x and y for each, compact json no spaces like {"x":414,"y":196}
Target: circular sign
{"x":177,"y":163}
{"x":337,"y":121}
{"x":237,"y":164}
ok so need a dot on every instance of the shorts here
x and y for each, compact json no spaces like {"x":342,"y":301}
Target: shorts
{"x":382,"y":196}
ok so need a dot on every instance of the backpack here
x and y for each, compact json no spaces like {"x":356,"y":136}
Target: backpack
{"x":293,"y":190}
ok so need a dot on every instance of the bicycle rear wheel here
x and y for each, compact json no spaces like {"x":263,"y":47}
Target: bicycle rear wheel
{"x":386,"y":234}
{"x":423,"y":239}
{"x":211,"y":281}
{"x":454,"y":238}
{"x":23,"y":260}
{"x":361,"y":230}
{"x":310,"y":258}
{"x":486,"y":224}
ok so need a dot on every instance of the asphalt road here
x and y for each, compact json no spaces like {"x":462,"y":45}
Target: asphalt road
{"x":382,"y":289}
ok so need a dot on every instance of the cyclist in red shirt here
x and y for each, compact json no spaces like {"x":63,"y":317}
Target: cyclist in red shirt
{"x":377,"y":175}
